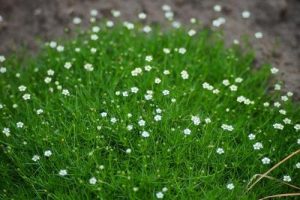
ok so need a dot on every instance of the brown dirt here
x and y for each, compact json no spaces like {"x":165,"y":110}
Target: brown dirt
{"x":25,"y":22}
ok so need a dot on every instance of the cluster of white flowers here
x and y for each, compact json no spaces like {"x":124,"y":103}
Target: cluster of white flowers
{"x":137,"y":71}
{"x":246,"y":101}
{"x":227,"y":127}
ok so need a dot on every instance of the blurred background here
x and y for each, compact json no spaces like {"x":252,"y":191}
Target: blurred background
{"x":25,"y":23}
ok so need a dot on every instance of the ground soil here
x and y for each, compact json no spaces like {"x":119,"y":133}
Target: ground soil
{"x":25,"y":23}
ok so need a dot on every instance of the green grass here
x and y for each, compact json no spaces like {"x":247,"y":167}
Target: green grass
{"x":88,"y":145}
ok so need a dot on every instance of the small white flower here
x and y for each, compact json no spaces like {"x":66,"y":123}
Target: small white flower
{"x":147,"y":29}
{"x":2,"y":58}
{"x":63,"y":172}
{"x":157,"y":80}
{"x":298,"y":165}
{"x":227,"y":127}
{"x":141,"y":122}
{"x":76,"y":20}
{"x":159,"y":195}
{"x":251,"y":136}
{"x":128,"y":151}
{"x":157,"y":117}
{"x":65,"y":92}
{"x":148,"y":58}
{"x":113,"y":120}
{"x":148,"y":68}
{"x":233,"y":88}
{"x":238,"y":80}
{"x":142,"y":16}
{"x":184,"y":75}
{"x":60,"y":48}
{"x":103,"y":114}
{"x":266,"y":104}
{"x":6,"y":132}
{"x":110,"y":24}
{"x":165,"y":189}
{"x":287,"y":121}
{"x":2,"y":70}
{"x":187,"y":131}
{"x":166,"y":50}
{"x":96,"y":29}
{"x":192,"y":32}
{"x":134,"y":89}
{"x":93,"y":181}
{"x":88,"y":67}
{"x":217,"y":8}
{"x":35,"y":158}
{"x":196,"y":120}
{"x":67,"y":65}
{"x":230,"y":186}
{"x":137,"y":71}
{"x":258,"y":35}
{"x":166,"y":72}
{"x":145,"y":134}
{"x":297,"y":127}
{"x":266,"y":160}
{"x":47,"y":153}
{"x":257,"y":146}
{"x":116,"y":13}
{"x":274,"y":70}
{"x":26,"y":97}
{"x":39,"y":111}
{"x":165,"y":92}
{"x":226,"y":82}
{"x":129,"y":127}
{"x":246,"y":14}
{"x":22,"y":88}
{"x":287,"y":178}
{"x":278,"y":126}
{"x":182,"y":50}
{"x":20,"y":124}
{"x":48,"y":80}
{"x":207,"y":120}
{"x":93,"y":12}
{"x":220,"y":151}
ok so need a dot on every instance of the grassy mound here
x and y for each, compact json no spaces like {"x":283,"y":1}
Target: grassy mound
{"x":118,"y":113}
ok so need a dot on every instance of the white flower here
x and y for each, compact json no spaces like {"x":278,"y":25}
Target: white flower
{"x":93,"y":181}
{"x":251,"y":136}
{"x":103,"y":114}
{"x":157,"y":80}
{"x":141,"y":122}
{"x":20,"y":124}
{"x":148,"y":58}
{"x":297,"y":127}
{"x":67,"y":65}
{"x":60,"y":48}
{"x":47,"y":153}
{"x":53,"y":44}
{"x":257,"y":146}
{"x":39,"y":111}
{"x":217,"y":8}
{"x":182,"y":50}
{"x":266,"y":160}
{"x":165,"y":92}
{"x":192,"y":32}
{"x":187,"y":131}
{"x":128,"y":151}
{"x":76,"y":20}
{"x":158,"y":110}
{"x":278,"y":126}
{"x":277,"y":104}
{"x":35,"y":158}
{"x":47,"y":80}
{"x":246,"y":14}
{"x":165,"y":189}
{"x":116,"y":13}
{"x":166,"y":72}
{"x":166,"y":8}
{"x":63,"y":172}
{"x":274,"y":70}
{"x":134,"y":89}
{"x":157,"y":117}
{"x":258,"y":35}
{"x":227,"y":127}
{"x":26,"y":97}
{"x":22,"y":88}
{"x":166,"y":50}
{"x":96,"y":29}
{"x":219,"y":21}
{"x":230,"y":186}
{"x":129,"y":127}
{"x":287,"y":178}
{"x":2,"y":70}
{"x":184,"y":74}
{"x":94,"y":37}
{"x":110,"y":24}
{"x":226,"y":82}
{"x":233,"y":88}
{"x":142,"y":16}
{"x":220,"y":151}
{"x":238,"y":80}
{"x":287,"y":121}
{"x":113,"y":120}
{"x":207,"y":86}
{"x":65,"y":92}
{"x":93,"y":12}
{"x":147,"y":29}
{"x":266,"y":104}
{"x":159,"y":195}
{"x":148,"y":68}
{"x":137,"y":71}
{"x":298,"y":165}
{"x":145,"y":134}
{"x":196,"y":120}
{"x":207,"y":120}
{"x":6,"y":132}
{"x":2,"y":58}
{"x":284,"y":98}
{"x":88,"y":67}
